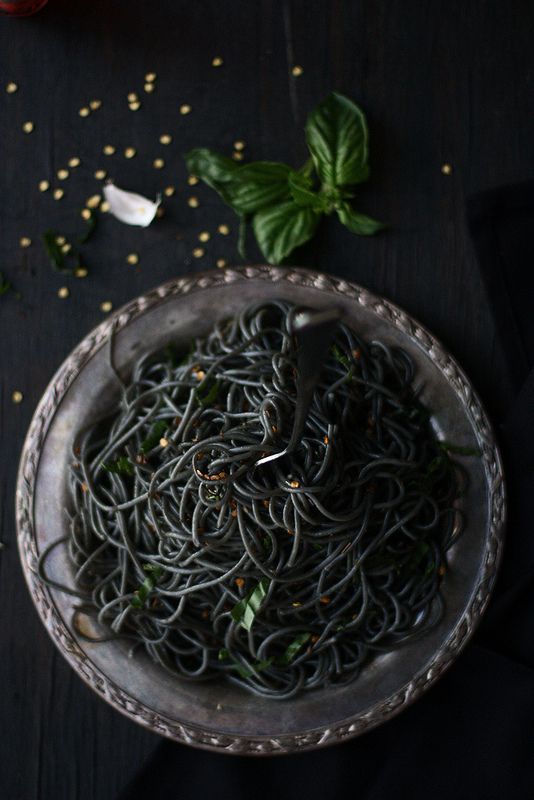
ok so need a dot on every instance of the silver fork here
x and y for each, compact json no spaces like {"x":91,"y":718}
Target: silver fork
{"x":313,"y":331}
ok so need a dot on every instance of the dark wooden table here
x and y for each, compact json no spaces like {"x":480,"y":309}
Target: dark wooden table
{"x":441,"y":82}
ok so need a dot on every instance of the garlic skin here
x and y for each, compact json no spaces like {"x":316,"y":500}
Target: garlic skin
{"x":130,"y":208}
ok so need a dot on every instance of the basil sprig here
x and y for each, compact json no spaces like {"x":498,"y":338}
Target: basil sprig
{"x":285,"y":205}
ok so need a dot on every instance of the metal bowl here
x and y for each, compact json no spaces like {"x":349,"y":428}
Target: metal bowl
{"x":218,"y":715}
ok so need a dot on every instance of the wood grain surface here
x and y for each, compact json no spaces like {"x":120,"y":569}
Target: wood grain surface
{"x":440,"y":82}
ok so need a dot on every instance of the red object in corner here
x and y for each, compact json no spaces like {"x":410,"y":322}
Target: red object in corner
{"x":21,"y":8}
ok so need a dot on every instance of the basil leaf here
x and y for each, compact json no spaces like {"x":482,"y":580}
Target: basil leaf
{"x":461,"y":451}
{"x":245,"y":611}
{"x":154,"y":435}
{"x":244,"y":672}
{"x":121,"y":466}
{"x":213,"y":168}
{"x":91,"y":227}
{"x":340,"y":356}
{"x":358,"y":223}
{"x":337,"y":138}
{"x":5,"y":285}
{"x":53,"y":250}
{"x":258,"y":185}
{"x":292,"y":649}
{"x":141,"y":595}
{"x":280,"y":229}
{"x":303,"y":194}
{"x":208,"y":398}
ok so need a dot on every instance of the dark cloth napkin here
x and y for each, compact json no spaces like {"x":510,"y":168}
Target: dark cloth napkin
{"x":472,"y":735}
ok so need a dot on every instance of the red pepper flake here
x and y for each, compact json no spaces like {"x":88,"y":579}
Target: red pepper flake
{"x":239,"y":582}
{"x":357,"y":354}
{"x":314,"y":639}
{"x":205,"y":613}
{"x":324,"y":600}
{"x":84,"y":487}
{"x":442,"y":570}
{"x":326,"y":440}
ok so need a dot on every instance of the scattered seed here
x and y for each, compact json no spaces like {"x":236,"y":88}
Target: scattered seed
{"x":441,"y":570}
{"x":132,"y":258}
{"x":84,"y":487}
{"x":198,"y":252}
{"x":66,"y":248}
{"x":150,"y":77}
{"x":224,"y":230}
{"x":160,"y":212}
{"x":314,"y":639}
{"x":74,"y":162}
{"x":28,"y":127}
{"x":84,"y":112}
{"x":239,"y":145}
{"x":158,"y":163}
{"x":294,"y":484}
{"x":93,"y":201}
{"x":199,"y":374}
{"x":149,"y":88}
{"x":11,"y":87}
{"x":130,"y":152}
{"x":106,"y":306}
{"x":25,"y":241}
{"x":104,"y":207}
{"x":193,"y":202}
{"x":100,"y":174}
{"x":95,"y":104}
{"x":62,"y":174}
{"x":169,"y":191}
{"x":237,"y":156}
{"x":108,"y":150}
{"x":163,"y":442}
{"x":135,"y":106}
{"x":221,"y":262}
{"x":58,"y":194}
{"x":85,"y":213}
{"x":44,"y":186}
{"x":297,"y":71}
{"x":185,"y":109}
{"x":60,"y":240}
{"x":324,"y":600}
{"x":217,"y":61}
{"x":296,"y":604}
{"x":192,"y":180}
{"x":63,"y":293}
{"x":80,"y":272}
{"x":165,"y":138}
{"x":132,"y":97}
{"x":446,"y":169}
{"x":204,"y":236}
{"x":17,"y":396}
{"x":326,"y":439}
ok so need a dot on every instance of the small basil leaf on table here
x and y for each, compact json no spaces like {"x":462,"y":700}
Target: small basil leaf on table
{"x":245,"y":611}
{"x":358,"y":223}
{"x":213,"y":168}
{"x":280,"y":229}
{"x":337,"y":138}
{"x":258,"y":185}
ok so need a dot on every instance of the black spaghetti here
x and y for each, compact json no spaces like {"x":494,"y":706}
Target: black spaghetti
{"x":282,"y":577}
